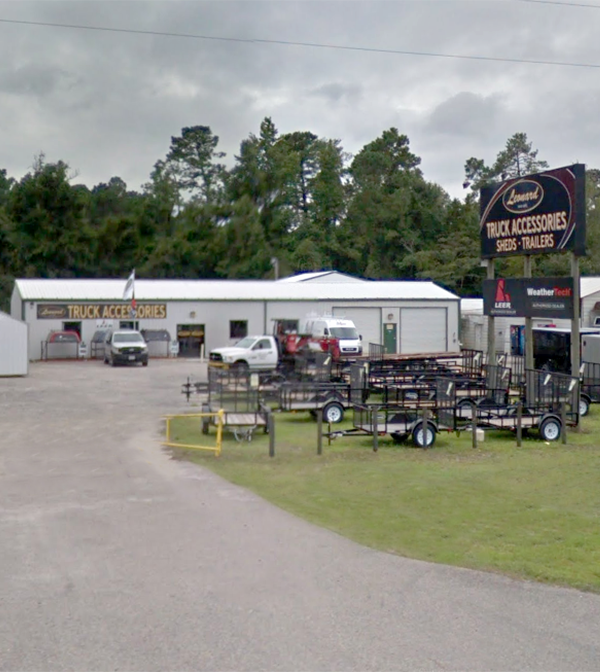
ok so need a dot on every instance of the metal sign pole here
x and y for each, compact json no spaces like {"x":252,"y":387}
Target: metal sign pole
{"x":527,"y":266}
{"x":575,"y":333}
{"x":491,"y":335}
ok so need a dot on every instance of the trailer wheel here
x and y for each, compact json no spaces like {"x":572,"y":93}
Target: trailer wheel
{"x":584,"y":406}
{"x":550,"y":429}
{"x":333,"y":412}
{"x":421,"y":438}
{"x":398,"y":438}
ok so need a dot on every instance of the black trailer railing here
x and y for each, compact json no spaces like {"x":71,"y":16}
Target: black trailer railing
{"x":590,"y":381}
{"x":376,"y":351}
{"x":312,"y":395}
{"x":550,"y":392}
{"x":516,"y":363}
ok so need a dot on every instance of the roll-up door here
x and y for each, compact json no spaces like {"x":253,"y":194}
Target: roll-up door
{"x":423,"y":330}
{"x":366,"y":320}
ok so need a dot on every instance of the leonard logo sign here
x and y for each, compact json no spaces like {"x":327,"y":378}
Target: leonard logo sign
{"x":528,"y":297}
{"x":535,"y":214}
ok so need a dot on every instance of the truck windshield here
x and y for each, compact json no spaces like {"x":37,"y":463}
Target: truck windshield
{"x":128,"y":338}
{"x":246,"y":342}
{"x":344,"y":332}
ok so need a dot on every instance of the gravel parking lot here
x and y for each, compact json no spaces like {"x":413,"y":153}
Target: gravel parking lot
{"x":115,"y":557}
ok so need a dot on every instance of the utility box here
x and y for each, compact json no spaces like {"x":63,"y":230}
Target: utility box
{"x":590,"y":348}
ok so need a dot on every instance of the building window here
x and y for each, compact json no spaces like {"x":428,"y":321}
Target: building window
{"x":238,"y":328}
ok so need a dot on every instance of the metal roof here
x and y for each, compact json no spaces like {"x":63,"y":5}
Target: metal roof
{"x":229,"y":290}
{"x":589,"y":286}
{"x":471,"y":306}
{"x":322,"y":276}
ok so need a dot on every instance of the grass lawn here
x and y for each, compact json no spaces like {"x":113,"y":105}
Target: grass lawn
{"x":530,"y":512}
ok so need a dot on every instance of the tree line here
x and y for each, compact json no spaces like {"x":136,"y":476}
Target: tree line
{"x":295,"y":197}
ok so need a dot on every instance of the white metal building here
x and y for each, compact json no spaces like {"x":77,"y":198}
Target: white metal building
{"x":474,"y":324}
{"x":14,"y":360}
{"x":406,"y":316}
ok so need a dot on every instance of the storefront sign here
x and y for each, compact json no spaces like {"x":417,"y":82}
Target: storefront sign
{"x":535,"y":214}
{"x":529,"y":297}
{"x":102,"y":311}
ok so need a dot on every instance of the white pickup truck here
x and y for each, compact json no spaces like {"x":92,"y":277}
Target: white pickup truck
{"x":257,"y":353}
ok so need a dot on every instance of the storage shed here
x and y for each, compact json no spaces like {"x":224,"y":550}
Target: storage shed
{"x":404,"y":316}
{"x":14,"y":360}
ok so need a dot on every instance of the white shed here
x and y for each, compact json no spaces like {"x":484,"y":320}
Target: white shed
{"x":14,"y":359}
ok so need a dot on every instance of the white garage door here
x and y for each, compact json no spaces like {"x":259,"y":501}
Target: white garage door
{"x":367,"y":321}
{"x":423,"y":330}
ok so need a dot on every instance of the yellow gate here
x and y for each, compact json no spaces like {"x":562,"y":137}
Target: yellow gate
{"x":216,"y":448}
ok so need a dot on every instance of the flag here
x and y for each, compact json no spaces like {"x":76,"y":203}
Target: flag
{"x":129,"y":293}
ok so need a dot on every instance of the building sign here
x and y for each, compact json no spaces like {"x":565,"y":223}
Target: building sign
{"x":535,"y":214}
{"x":100,"y":311}
{"x":529,"y":297}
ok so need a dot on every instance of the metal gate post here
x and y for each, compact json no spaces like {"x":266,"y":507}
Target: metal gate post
{"x":320,"y":431}
{"x":375,"y":430}
{"x":271,"y":429}
{"x":474,"y":423}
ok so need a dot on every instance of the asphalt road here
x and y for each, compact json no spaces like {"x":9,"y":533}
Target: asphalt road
{"x":113,"y":557}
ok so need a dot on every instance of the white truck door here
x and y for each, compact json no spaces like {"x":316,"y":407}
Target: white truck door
{"x":264,"y":354}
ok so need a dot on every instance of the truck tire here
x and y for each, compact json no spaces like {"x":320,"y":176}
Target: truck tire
{"x":333,"y":412}
{"x":550,"y":429}
{"x":240,"y":367}
{"x":421,"y":438}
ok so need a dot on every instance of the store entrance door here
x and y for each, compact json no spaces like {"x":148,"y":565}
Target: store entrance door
{"x":191,"y":339}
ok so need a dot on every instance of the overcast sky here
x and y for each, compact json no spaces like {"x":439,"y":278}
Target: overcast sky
{"x":108,"y":103}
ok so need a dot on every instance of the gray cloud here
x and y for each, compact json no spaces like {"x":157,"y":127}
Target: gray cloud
{"x":108,"y":103}
{"x":336,"y":92}
{"x":35,"y":80}
{"x":465,"y":114}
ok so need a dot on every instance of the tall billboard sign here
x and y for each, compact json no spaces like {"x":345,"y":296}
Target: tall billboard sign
{"x":536,"y":214}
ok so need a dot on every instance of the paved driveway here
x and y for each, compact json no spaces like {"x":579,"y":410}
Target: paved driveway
{"x":113,"y":557}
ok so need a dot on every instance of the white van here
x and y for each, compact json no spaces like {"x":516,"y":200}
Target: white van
{"x":344,"y":331}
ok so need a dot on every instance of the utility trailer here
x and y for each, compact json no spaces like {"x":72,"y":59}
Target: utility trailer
{"x":421,"y":421}
{"x":333,"y":398}
{"x":417,"y":384}
{"x":467,"y":362}
{"x":237,"y":393}
{"x":546,"y":398}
